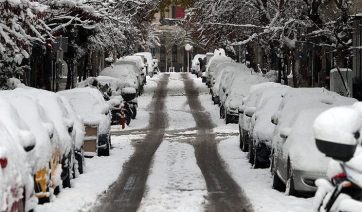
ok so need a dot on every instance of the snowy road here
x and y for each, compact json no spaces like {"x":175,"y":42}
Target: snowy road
{"x":177,"y":155}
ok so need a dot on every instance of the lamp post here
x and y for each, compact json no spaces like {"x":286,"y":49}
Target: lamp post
{"x":188,"y":48}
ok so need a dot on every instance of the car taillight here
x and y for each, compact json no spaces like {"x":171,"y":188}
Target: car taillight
{"x":3,"y":162}
{"x":340,"y":175}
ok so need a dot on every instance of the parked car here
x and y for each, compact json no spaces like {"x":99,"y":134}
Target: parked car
{"x":124,"y":72}
{"x":211,"y":65}
{"x":91,"y":106}
{"x":246,"y":111}
{"x":261,"y":129}
{"x":46,"y":155}
{"x":149,"y":62}
{"x":140,"y":69}
{"x":215,"y":80}
{"x":16,"y":145}
{"x":224,"y":78}
{"x":236,"y":90}
{"x":195,"y":64}
{"x":110,"y":85}
{"x":64,"y":125}
{"x":77,"y":135}
{"x":296,"y":161}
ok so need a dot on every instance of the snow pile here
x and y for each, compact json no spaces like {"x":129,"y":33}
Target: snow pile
{"x":214,"y":61}
{"x":175,"y":182}
{"x":89,"y":104}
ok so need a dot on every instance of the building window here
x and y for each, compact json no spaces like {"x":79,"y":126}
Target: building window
{"x":173,"y":12}
{"x":174,"y":53}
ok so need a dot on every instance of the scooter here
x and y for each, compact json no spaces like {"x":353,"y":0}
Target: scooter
{"x":337,"y":135}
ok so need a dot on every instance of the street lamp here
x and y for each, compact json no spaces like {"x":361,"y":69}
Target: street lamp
{"x":188,"y":48}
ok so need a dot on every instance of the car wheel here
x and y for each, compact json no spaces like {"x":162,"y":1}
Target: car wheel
{"x":128,"y":118}
{"x":134,"y":111}
{"x":245,"y":147}
{"x":290,"y":182}
{"x":66,"y":181}
{"x":251,"y":153}
{"x":79,"y":159}
{"x":56,"y":192}
{"x":256,"y":161}
{"x":213,"y":99}
{"x":227,"y":119}
{"x":222,"y":114}
{"x":277,"y":182}
{"x":104,"y":152}
{"x":240,"y":138}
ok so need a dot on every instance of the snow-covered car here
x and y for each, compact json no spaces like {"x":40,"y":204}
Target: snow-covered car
{"x":211,"y":65}
{"x":236,"y":90}
{"x":195,"y":64}
{"x":91,"y":106}
{"x":124,"y":72}
{"x":46,"y":155}
{"x":110,"y":85}
{"x":224,"y":78}
{"x":149,"y":62}
{"x":138,"y":62}
{"x":63,"y":124}
{"x":261,"y":129}
{"x":216,"y":78}
{"x":16,"y":146}
{"x":296,"y":161}
{"x":249,"y":104}
{"x":77,"y":133}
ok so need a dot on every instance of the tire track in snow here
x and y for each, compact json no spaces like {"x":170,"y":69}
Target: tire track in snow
{"x":224,"y":193}
{"x":126,"y":194}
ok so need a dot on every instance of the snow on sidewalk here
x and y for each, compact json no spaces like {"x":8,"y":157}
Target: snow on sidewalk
{"x":257,"y":183}
{"x":175,"y":182}
{"x":99,"y":174}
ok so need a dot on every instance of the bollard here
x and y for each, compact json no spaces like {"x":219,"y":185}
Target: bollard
{"x":123,"y":118}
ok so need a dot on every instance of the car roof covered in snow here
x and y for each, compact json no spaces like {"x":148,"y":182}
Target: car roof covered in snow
{"x":90,"y":105}
{"x":124,"y":72}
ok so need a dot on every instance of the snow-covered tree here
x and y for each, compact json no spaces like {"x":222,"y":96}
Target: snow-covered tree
{"x":21,"y":25}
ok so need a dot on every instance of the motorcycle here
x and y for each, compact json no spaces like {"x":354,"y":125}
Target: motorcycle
{"x":337,"y":135}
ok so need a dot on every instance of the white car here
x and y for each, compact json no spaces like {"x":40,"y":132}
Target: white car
{"x":124,"y":72}
{"x":91,"y":106}
{"x":211,"y":65}
{"x":140,"y":67}
{"x":296,"y":161}
{"x":16,"y":143}
{"x":108,"y":84}
{"x":149,"y":62}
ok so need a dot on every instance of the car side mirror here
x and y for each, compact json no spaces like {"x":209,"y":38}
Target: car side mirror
{"x":249,"y":112}
{"x":241,"y":110}
{"x":284,"y":133}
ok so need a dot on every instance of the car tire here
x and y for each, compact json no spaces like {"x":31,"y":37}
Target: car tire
{"x":104,"y":152}
{"x":290,"y":182}
{"x":128,"y":118}
{"x":257,"y":164}
{"x":227,"y":119}
{"x":134,"y":111}
{"x":222,"y":112}
{"x":240,"y":138}
{"x":245,"y":147}
{"x":56,"y":192}
{"x":278,"y":184}
{"x":66,"y":181}
{"x":79,"y":159}
{"x":251,"y":154}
